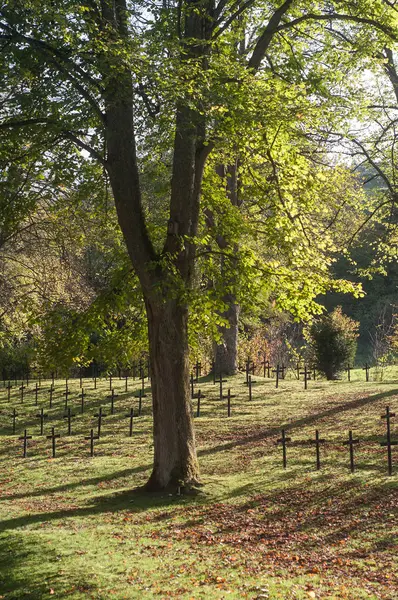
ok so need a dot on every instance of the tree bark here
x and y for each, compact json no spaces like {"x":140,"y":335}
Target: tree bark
{"x":226,"y":353}
{"x":175,"y":461}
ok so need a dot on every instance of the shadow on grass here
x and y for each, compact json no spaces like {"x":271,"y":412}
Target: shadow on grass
{"x":17,"y":581}
{"x":313,"y":523}
{"x":308,"y":420}
{"x":136,"y":501}
{"x":77,"y":484}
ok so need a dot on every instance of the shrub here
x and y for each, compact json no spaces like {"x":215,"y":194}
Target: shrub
{"x":333,"y":339}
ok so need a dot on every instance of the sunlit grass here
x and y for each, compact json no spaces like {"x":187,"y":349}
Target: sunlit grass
{"x":73,"y":526}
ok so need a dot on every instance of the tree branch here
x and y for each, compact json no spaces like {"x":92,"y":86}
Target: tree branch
{"x":265,"y":38}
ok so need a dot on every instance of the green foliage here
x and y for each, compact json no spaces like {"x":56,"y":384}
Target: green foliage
{"x":111,"y":331}
{"x":16,"y":356}
{"x":333,"y":340}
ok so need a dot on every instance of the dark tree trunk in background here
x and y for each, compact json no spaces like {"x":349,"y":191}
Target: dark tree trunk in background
{"x":226,"y":353}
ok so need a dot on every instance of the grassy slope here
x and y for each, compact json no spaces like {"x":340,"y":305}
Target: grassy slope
{"x":71,"y":527}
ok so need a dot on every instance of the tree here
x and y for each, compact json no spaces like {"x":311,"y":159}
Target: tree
{"x":94,"y":75}
{"x":333,"y":340}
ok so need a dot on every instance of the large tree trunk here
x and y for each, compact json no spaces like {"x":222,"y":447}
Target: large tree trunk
{"x":175,"y":461}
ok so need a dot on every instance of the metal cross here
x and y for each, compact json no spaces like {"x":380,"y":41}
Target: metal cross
{"x":318,"y":441}
{"x":100,"y":416}
{"x":131,"y":417}
{"x":69,"y":416}
{"x":25,"y":439}
{"x":92,"y":437}
{"x":389,"y":442}
{"x":350,"y":442}
{"x":53,"y":437}
{"x":284,"y":440}
{"x":41,"y":416}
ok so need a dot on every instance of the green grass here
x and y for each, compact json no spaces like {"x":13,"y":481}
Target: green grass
{"x":75,"y":526}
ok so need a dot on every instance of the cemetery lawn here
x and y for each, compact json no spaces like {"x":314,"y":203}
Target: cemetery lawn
{"x":75,"y":527}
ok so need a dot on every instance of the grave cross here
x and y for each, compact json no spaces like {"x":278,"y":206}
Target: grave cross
{"x":307,"y":376}
{"x":250,"y":387}
{"x":14,"y":420}
{"x":140,"y":396}
{"x":69,"y":415}
{"x":41,"y":416}
{"x":366,"y":368}
{"x":131,"y":417}
{"x":350,"y":442}
{"x":82,"y":396}
{"x":198,"y":371}
{"x":248,"y":367}
{"x":100,"y":416}
{"x":284,"y":440}
{"x":66,"y":393}
{"x":264,"y":363}
{"x":229,"y":398}
{"x":389,"y":442}
{"x":22,"y":389}
{"x":112,"y":399}
{"x":317,"y":441}
{"x":221,"y":381}
{"x":277,"y":372}
{"x":53,"y":437}
{"x":199,"y":396}
{"x":25,"y":439}
{"x":92,"y":437}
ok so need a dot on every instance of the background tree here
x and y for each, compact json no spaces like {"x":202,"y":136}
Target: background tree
{"x":333,"y":341}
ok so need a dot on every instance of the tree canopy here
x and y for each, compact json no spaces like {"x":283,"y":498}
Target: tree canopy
{"x":149,"y":99}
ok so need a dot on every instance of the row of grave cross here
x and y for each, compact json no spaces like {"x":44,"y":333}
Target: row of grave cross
{"x":283,"y":440}
{"x":351,"y":442}
{"x":68,"y":391}
{"x":53,"y":437}
{"x":138,"y":371}
{"x":308,"y":373}
{"x":69,"y":415}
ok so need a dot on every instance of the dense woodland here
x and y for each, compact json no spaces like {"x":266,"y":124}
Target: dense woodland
{"x":189,"y":180}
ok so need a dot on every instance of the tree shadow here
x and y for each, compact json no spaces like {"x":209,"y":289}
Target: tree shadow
{"x":308,"y":420}
{"x":136,"y":500}
{"x":77,"y":484}
{"x":17,"y":582}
